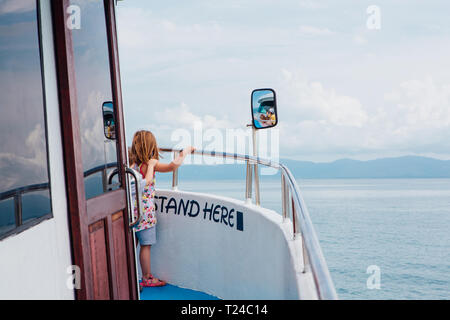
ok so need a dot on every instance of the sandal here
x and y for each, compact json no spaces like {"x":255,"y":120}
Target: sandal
{"x":151,"y":283}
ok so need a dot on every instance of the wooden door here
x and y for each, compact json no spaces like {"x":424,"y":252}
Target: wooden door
{"x":89,"y":80}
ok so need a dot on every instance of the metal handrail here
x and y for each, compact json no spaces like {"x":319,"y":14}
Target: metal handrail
{"x":314,"y":260}
{"x":137,"y":187}
{"x":139,"y":203}
{"x":99,"y":168}
{"x":17,"y":194}
{"x":30,"y":188}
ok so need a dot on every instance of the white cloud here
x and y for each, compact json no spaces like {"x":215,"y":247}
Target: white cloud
{"x":312,"y":102}
{"x":32,"y":166}
{"x":14,"y":6}
{"x":424,"y":103}
{"x":350,"y":99}
{"x":315,"y":31}
{"x":360,"y":39}
{"x":141,"y":28}
{"x":311,"y":4}
{"x":182,"y":117}
{"x":415,"y":118}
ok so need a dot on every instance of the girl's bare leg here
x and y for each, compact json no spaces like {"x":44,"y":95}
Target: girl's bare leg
{"x":144,"y":257}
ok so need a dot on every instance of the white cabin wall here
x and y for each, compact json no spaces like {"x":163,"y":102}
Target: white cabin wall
{"x":30,"y":268}
{"x":34,"y":263}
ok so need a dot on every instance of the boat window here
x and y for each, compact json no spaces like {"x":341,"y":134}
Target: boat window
{"x":24,"y":187}
{"x":93,"y":81}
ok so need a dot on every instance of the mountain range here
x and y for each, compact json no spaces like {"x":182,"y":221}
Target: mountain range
{"x":400,"y":167}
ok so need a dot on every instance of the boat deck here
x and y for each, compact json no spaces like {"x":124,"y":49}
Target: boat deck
{"x":171,"y":292}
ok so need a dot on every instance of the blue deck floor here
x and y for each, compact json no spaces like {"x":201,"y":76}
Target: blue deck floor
{"x":170,"y":292}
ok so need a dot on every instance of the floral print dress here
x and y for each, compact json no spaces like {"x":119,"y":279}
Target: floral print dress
{"x":148,"y":218}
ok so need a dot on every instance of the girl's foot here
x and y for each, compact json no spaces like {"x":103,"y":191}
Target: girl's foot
{"x":152,"y":282}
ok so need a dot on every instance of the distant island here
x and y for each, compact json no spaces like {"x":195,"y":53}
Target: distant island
{"x":385,"y":168}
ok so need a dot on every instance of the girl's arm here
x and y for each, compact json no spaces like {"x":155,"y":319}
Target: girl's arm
{"x":168,"y":167}
{"x":150,"y":170}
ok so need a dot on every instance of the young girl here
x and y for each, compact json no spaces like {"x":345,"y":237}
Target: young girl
{"x":144,"y":156}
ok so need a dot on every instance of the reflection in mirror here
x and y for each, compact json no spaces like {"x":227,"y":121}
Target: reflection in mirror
{"x":264,"y":108}
{"x":109,"y":123}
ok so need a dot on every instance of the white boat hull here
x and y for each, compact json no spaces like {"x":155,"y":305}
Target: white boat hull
{"x":205,"y":250}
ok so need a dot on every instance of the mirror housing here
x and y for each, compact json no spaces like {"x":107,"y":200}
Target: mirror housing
{"x":264,"y":108}
{"x":109,"y":121}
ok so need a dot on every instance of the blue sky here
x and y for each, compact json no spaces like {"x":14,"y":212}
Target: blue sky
{"x":343,"y":90}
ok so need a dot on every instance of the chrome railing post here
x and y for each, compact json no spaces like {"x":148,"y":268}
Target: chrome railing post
{"x":284,"y":197}
{"x":175,"y":174}
{"x":257,"y":193}
{"x":255,"y":166}
{"x":306,"y":265}
{"x":248,"y":184}
{"x":294,"y":219}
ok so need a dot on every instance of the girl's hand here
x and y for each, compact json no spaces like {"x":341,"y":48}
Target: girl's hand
{"x":180,"y":158}
{"x":188,"y":150}
{"x":178,"y":161}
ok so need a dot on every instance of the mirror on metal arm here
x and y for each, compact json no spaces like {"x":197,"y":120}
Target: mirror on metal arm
{"x":109,"y":122}
{"x":264,"y":109}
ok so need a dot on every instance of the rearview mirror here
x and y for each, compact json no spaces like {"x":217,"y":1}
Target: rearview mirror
{"x":109,"y":122}
{"x":264,"y":108}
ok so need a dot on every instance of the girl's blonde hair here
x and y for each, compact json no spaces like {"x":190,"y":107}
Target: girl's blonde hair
{"x":130,"y":156}
{"x":143,"y":147}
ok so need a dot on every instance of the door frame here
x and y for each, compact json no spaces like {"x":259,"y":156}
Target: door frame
{"x":103,"y":206}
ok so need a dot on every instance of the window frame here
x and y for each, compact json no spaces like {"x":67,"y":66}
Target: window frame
{"x":17,"y":193}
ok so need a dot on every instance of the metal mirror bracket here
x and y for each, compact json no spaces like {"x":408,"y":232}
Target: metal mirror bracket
{"x":255,"y":166}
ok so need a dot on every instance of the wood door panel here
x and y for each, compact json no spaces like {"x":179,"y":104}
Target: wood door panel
{"x":100,"y":207}
{"x":99,"y":260}
{"x":120,"y":254}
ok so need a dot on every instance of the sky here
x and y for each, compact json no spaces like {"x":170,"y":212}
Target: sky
{"x":350,"y":82}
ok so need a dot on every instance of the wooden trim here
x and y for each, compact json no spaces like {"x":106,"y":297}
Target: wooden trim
{"x":72,"y":147}
{"x":115,"y":80}
{"x":122,"y":153}
{"x":100,"y":207}
{"x":113,"y":289}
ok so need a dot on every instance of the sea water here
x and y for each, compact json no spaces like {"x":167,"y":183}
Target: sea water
{"x":381,"y":238}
